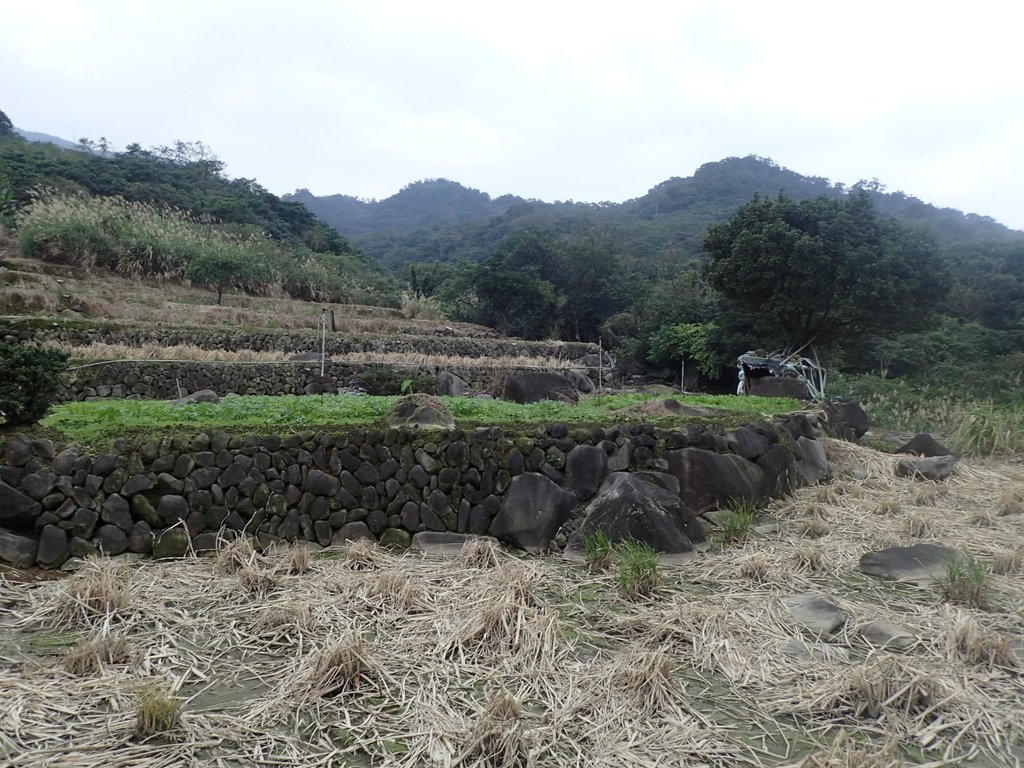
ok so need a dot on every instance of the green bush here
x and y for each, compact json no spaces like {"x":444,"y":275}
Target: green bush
{"x":598,"y":549}
{"x":29,"y":379}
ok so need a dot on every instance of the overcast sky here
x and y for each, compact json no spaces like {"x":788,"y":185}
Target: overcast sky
{"x":554,"y":100}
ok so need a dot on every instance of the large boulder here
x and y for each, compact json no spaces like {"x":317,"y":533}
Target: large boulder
{"x":422,"y":411}
{"x":16,"y":509}
{"x":534,"y":386}
{"x":811,"y":462}
{"x":631,"y":507}
{"x":19,"y":551}
{"x":923,"y":444}
{"x":845,"y":419}
{"x":586,"y":467}
{"x":708,"y":479}
{"x":451,"y":385}
{"x":534,"y":509}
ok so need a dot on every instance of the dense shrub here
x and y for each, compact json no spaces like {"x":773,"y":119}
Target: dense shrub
{"x":29,"y":379}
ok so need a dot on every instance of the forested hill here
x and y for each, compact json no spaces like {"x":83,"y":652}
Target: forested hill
{"x":443,"y":220}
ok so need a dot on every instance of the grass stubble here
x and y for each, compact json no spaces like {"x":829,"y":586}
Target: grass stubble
{"x":484,"y":659}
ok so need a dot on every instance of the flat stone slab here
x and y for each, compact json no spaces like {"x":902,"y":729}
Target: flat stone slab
{"x":443,"y":542}
{"x":885,"y":634}
{"x":814,"y":652}
{"x":929,"y":468}
{"x":922,"y":563}
{"x":814,"y":613}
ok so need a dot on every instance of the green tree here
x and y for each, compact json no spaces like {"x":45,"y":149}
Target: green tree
{"x":219,"y":270}
{"x":29,"y":379}
{"x":821,"y":270}
{"x":6,"y":126}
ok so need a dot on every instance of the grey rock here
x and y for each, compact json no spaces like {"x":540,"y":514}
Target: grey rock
{"x":811,"y":462}
{"x":140,"y":538}
{"x":38,"y":484}
{"x":321,"y":483}
{"x":19,"y":551}
{"x":451,"y":385}
{"x":83,"y":522}
{"x":19,"y":450}
{"x":137,"y":484}
{"x":64,"y":462}
{"x":440,"y":542}
{"x":746,"y":443}
{"x":586,"y":467}
{"x":172,"y":509}
{"x":708,"y":479}
{"x":628,"y":507}
{"x":396,"y":537}
{"x":534,"y":386}
{"x":422,"y":411}
{"x":815,"y":614}
{"x":921,"y":563}
{"x":351,"y":532}
{"x":111,"y":540}
{"x":534,"y":509}
{"x":16,"y":509}
{"x":923,"y":444}
{"x":928,"y":468}
{"x":884,"y":634}
{"x":173,"y":542}
{"x":117,"y":512}
{"x":142,"y":509}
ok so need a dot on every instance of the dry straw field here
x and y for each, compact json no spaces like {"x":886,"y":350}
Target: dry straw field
{"x":362,"y":656}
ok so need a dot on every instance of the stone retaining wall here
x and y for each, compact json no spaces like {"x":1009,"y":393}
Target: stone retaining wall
{"x":160,"y":380}
{"x":295,"y":342}
{"x":385,"y":484}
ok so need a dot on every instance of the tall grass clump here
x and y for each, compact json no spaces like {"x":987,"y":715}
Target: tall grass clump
{"x":597,"y":548}
{"x":157,"y":711}
{"x":986,"y":429}
{"x":735,"y":527}
{"x":637,"y":568}
{"x":965,"y":582}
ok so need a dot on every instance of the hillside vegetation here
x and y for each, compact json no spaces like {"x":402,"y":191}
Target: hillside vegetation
{"x":172,"y":212}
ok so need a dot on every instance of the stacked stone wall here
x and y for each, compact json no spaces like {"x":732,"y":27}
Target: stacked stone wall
{"x":380,"y":483}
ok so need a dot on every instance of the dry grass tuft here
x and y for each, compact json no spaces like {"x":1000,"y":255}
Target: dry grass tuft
{"x":983,"y":519}
{"x":920,"y":526}
{"x":645,"y":680}
{"x":814,"y":528}
{"x":755,"y":568}
{"x":257,"y":580}
{"x":1007,"y":562}
{"x":365,"y":555}
{"x":157,"y":712}
{"x":889,"y":509}
{"x":886,"y":686}
{"x":497,"y":739}
{"x":342,"y":667}
{"x":90,"y":655}
{"x":844,"y":755}
{"x":817,"y":511}
{"x":237,"y":555}
{"x":808,"y":558}
{"x":973,"y":644}
{"x":285,"y":619}
{"x":1010,"y":503}
{"x":97,"y":590}
{"x":394,"y":591}
{"x":297,"y":560}
{"x":479,"y":553}
{"x":929,"y":494}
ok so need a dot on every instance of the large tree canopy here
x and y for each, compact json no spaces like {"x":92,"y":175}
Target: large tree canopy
{"x":817,"y":271}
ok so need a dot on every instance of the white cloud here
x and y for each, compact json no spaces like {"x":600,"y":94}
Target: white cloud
{"x":582,"y":100}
